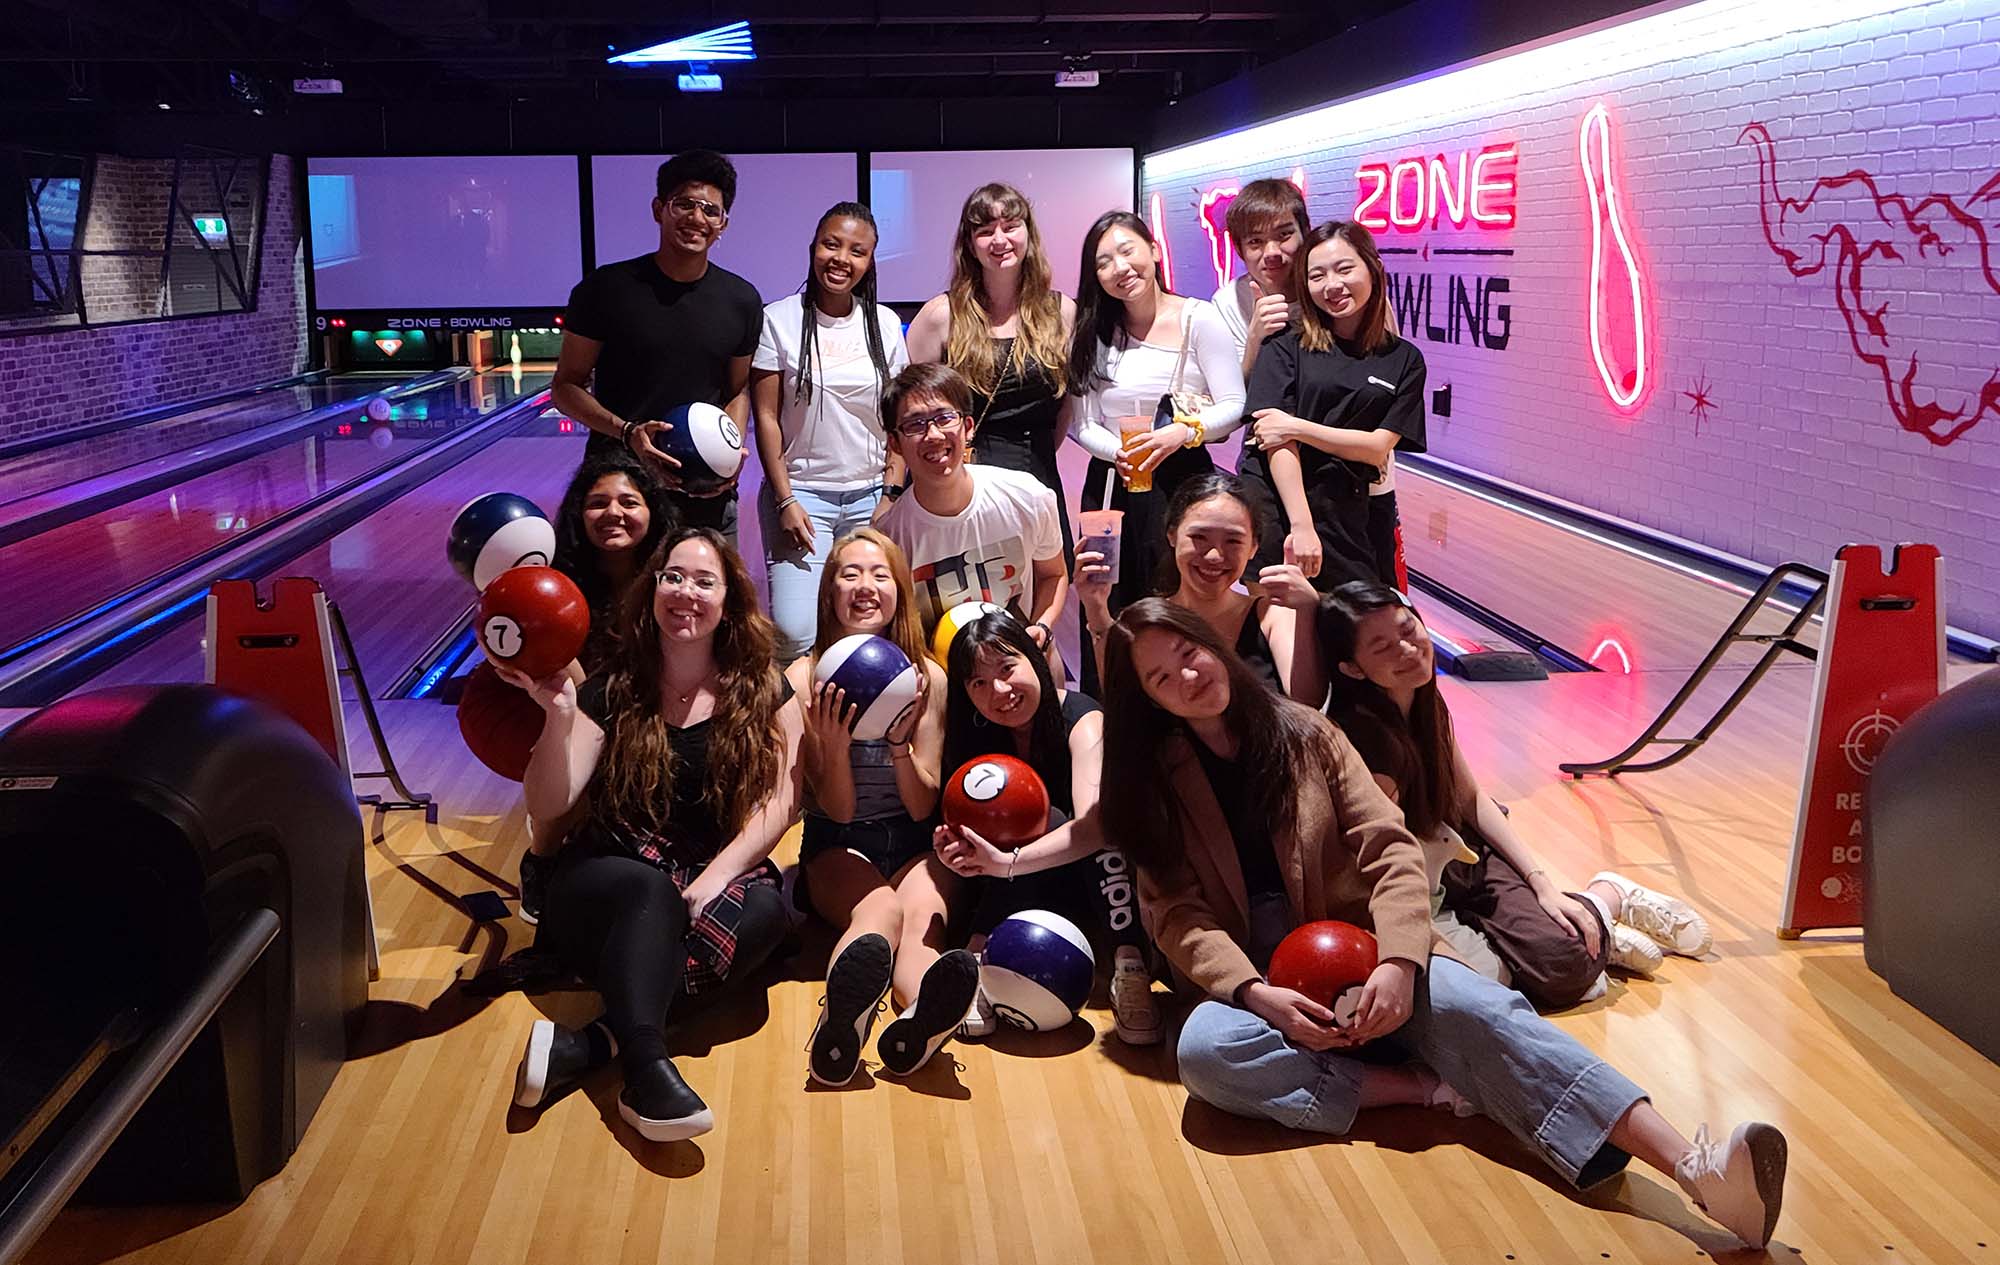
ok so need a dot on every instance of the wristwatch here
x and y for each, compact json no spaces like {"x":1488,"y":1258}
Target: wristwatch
{"x":1048,"y":633}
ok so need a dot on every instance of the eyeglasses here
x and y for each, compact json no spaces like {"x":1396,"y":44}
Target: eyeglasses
{"x":674,"y":578}
{"x":685,"y":206}
{"x":948,"y":422}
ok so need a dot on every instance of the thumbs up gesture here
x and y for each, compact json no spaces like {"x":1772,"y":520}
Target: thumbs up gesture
{"x":1269,"y":313}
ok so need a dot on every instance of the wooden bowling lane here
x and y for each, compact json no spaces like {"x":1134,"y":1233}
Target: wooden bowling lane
{"x":388,"y":572}
{"x":1603,"y":603}
{"x":1070,"y":1148}
{"x":72,"y":568}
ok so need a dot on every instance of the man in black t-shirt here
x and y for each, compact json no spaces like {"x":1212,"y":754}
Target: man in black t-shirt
{"x":663,"y":330}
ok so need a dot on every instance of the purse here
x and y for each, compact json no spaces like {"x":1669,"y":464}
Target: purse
{"x":1178,"y":402}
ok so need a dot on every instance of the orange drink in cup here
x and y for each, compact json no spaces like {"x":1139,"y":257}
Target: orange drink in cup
{"x":1131,"y":430}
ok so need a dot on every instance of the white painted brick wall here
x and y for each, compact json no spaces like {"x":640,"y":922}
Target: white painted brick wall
{"x":1801,"y":453}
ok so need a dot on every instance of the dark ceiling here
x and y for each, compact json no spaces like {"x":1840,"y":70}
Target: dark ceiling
{"x":68,"y":59}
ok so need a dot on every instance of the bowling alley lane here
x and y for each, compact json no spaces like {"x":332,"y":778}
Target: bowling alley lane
{"x":72,"y":568}
{"x":388,"y":572}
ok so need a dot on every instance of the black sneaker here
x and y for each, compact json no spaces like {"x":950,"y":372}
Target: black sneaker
{"x":659,"y":1104}
{"x":535,"y":872}
{"x":854,"y":987}
{"x":943,"y":997}
{"x":555,"y":1059}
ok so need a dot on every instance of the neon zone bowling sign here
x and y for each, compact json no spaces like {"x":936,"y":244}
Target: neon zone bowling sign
{"x":1481,"y":190}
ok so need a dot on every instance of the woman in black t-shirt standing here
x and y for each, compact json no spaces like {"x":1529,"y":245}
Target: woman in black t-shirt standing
{"x":685,"y":756}
{"x":1331,"y":398}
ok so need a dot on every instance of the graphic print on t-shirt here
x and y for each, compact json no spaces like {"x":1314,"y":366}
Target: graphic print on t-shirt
{"x":992,"y":571}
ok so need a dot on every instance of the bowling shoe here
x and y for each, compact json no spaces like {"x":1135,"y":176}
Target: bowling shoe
{"x":1672,"y":923}
{"x":1738,"y":1183}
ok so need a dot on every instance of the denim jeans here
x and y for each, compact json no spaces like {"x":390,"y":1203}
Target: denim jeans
{"x":794,"y":572}
{"x":1486,"y":1041}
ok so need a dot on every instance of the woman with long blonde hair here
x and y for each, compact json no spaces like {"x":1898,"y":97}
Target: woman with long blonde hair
{"x":866,"y":856}
{"x":1002,"y":325}
{"x":683,"y":756}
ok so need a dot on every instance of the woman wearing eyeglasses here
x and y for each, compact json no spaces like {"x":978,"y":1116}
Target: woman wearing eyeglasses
{"x":685,"y":758}
{"x":1004,"y":328}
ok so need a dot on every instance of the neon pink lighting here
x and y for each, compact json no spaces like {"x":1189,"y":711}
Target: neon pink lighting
{"x":1160,"y":235}
{"x":1478,"y":190}
{"x":1617,"y":290}
{"x":1611,"y":643}
{"x":1214,"y":213}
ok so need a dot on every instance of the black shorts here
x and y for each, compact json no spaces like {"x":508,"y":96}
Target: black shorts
{"x":887,"y":843}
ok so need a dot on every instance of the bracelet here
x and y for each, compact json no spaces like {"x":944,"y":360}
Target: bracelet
{"x":788,"y":500}
{"x":1048,"y":633}
{"x":1012,"y":857}
{"x":625,"y":435}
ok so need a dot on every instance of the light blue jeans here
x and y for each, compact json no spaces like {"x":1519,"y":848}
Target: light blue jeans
{"x":1485,"y":1040}
{"x":794,"y":573}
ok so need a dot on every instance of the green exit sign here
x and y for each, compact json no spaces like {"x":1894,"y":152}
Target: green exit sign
{"x":213,"y":229}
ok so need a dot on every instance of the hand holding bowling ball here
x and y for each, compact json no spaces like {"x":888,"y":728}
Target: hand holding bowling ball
{"x":533,"y":620}
{"x":696,"y":448}
{"x":966,"y":852}
{"x":1328,"y":963}
{"x":999,"y":797}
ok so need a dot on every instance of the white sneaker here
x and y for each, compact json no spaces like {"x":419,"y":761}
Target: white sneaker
{"x":1442,"y":1097}
{"x":979,"y":1021}
{"x":1633,"y":952}
{"x":1739,"y":1183}
{"x":1598,"y":987}
{"x":1670,"y":921}
{"x":1135,"y":1015}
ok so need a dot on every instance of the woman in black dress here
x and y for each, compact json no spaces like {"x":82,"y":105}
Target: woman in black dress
{"x":1330,"y":399}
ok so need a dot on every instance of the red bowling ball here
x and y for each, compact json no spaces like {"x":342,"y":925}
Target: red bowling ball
{"x":1323,"y":961}
{"x":999,"y":798}
{"x":498,"y":722}
{"x":534,"y":620}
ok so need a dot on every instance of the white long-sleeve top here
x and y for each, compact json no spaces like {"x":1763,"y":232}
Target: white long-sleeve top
{"x":1142,"y":372}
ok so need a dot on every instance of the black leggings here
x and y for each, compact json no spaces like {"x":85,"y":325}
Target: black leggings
{"x":622,"y":925}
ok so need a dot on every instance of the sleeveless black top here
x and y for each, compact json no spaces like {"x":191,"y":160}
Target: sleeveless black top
{"x":1018,"y":425}
{"x":1254,"y":648}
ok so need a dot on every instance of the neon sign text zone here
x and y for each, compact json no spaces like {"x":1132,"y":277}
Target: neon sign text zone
{"x":1479,"y":190}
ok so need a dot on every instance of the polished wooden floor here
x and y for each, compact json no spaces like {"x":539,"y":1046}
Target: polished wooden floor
{"x":1071,"y":1148}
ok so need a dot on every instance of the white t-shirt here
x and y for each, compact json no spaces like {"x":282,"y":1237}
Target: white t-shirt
{"x":835,"y":442}
{"x":985,"y":552}
{"x":1141,"y":373}
{"x":1233,"y":303}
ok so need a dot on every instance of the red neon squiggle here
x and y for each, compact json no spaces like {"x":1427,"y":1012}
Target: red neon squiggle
{"x":1214,"y":212}
{"x":1159,"y":218}
{"x":1617,"y":289}
{"x":1611,"y":643}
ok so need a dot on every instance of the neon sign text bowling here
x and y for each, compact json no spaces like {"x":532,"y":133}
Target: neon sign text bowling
{"x":1480,"y":190}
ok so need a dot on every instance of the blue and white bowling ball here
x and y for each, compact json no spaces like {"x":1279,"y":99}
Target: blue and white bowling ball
{"x":706,"y":442}
{"x":378,"y":410}
{"x":878,"y":677}
{"x":497,"y":532}
{"x":1037,"y":970}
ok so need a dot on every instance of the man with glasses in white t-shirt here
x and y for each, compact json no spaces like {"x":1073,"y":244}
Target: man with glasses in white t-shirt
{"x":972,"y":533}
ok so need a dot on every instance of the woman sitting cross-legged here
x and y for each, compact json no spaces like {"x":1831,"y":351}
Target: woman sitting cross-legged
{"x":867,"y":860}
{"x":1497,"y":904}
{"x":1249,"y":815}
{"x":685,"y":755}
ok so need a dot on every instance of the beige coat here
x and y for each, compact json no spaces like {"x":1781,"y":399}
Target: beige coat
{"x":1348,"y":857}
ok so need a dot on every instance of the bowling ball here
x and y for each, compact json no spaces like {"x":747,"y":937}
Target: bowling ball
{"x":704,"y":439}
{"x":1327,"y":961}
{"x":498,"y":722}
{"x":533,"y":619}
{"x":498,"y":531}
{"x":1036,"y":970}
{"x":953,"y":620}
{"x":878,"y":677}
{"x":378,"y":410}
{"x":1000,"y":798}
{"x":381,"y":435}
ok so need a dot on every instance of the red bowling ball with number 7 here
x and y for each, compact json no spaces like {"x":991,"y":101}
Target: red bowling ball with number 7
{"x":1327,"y":961}
{"x":1000,"y":799}
{"x":534,"y":620}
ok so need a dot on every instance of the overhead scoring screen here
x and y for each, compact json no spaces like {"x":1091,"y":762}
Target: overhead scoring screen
{"x":428,"y":233}
{"x":916,"y":196}
{"x":779,"y":199}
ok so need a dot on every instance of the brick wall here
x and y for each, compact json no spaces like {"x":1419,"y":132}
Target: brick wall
{"x":72,"y":377}
{"x":1834,"y":379}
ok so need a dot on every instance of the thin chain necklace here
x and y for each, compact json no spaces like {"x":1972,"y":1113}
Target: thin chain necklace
{"x":694,"y":689}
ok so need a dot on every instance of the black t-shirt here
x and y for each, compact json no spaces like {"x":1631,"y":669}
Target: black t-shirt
{"x":1344,"y":387}
{"x":1263,"y":885}
{"x":666,"y":342}
{"x":697,"y":828}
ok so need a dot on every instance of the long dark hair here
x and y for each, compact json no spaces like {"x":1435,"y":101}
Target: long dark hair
{"x":1192,"y":492}
{"x":576,"y":557}
{"x":1417,"y":753}
{"x":968,"y":734}
{"x":1100,"y":319}
{"x":1280,"y":744}
{"x":1378,"y":319}
{"x":864,"y":305}
{"x":634,"y":781}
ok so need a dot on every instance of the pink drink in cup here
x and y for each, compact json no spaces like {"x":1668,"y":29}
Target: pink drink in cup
{"x":1102,"y":532}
